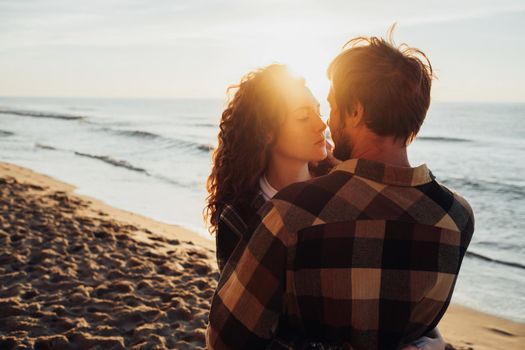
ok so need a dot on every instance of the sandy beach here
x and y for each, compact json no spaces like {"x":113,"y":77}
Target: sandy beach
{"x":76,"y":273}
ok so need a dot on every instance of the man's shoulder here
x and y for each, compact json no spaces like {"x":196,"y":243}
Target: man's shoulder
{"x":455,"y":206}
{"x":454,"y":196}
{"x":463,"y":202}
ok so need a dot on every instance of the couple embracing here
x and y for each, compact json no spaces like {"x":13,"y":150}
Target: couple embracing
{"x":343,"y":247}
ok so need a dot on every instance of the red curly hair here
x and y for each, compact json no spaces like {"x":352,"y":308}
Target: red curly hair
{"x":256,"y":110}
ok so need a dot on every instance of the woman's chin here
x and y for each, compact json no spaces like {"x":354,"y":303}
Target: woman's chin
{"x":320,"y":155}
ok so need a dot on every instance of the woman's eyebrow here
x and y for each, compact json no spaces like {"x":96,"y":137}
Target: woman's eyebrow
{"x":308,"y":107}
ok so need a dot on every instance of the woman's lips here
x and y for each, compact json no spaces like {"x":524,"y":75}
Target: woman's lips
{"x":320,"y":142}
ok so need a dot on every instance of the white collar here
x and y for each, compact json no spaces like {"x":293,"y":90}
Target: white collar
{"x":267,"y":190}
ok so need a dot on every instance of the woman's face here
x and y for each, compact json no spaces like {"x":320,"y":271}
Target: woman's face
{"x":301,"y":136}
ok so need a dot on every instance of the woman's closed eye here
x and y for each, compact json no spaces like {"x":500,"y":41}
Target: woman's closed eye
{"x":307,"y":115}
{"x":304,"y":119}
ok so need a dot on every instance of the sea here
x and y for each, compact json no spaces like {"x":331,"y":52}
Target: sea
{"x":152,"y":156}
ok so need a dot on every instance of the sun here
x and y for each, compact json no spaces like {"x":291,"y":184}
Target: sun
{"x":306,"y":56}
{"x":313,"y":69}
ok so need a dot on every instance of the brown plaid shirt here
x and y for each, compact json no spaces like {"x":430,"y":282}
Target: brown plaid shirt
{"x":233,"y":229}
{"x":366,"y":257}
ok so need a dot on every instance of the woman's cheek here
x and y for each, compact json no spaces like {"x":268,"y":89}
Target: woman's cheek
{"x":307,"y":146}
{"x":289,"y":143}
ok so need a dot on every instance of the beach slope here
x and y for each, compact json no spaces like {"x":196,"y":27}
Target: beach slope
{"x":76,"y":273}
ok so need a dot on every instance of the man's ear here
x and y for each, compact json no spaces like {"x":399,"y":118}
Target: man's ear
{"x":359,"y":110}
{"x":269,"y":138}
{"x":355,"y":116}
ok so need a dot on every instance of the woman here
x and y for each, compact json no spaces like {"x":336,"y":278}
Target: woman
{"x":269,"y":132}
{"x":271,"y":135}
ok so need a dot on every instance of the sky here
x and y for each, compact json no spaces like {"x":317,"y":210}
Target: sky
{"x":195,"y":49}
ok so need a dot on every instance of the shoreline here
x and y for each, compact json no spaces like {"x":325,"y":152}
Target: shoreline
{"x":461,"y":326}
{"x":25,"y":174}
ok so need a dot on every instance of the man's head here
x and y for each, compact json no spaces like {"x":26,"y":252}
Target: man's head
{"x":378,"y":92}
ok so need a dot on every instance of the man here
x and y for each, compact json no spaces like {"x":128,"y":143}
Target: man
{"x":367,"y":256}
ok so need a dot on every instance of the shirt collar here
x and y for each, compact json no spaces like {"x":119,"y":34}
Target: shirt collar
{"x":267,"y":189}
{"x":386,"y":173}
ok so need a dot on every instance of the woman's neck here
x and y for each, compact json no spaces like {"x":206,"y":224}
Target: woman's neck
{"x":283,"y":171}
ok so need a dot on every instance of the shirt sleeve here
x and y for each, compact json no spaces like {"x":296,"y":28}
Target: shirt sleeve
{"x":226,"y":239}
{"x":249,"y":299}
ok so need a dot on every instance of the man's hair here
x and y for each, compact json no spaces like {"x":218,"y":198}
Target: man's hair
{"x":391,"y":82}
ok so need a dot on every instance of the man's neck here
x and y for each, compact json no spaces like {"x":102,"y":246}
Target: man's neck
{"x":386,"y":152}
{"x":283,"y":171}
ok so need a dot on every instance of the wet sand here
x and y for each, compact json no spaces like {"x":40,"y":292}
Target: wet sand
{"x":76,"y":273}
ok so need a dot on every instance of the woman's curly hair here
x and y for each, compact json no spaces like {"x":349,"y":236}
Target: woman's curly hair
{"x":256,"y":110}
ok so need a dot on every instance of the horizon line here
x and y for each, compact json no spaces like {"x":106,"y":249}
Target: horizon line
{"x":224,"y":98}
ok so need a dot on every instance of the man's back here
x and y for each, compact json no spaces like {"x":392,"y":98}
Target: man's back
{"x":367,"y":255}
{"x":377,"y":252}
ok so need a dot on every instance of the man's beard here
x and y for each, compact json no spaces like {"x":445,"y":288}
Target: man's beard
{"x":342,"y":148}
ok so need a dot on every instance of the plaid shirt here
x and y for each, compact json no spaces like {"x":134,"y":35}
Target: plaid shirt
{"x":233,"y":229}
{"x":366,"y":257}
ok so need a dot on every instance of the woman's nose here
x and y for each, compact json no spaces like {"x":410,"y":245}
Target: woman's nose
{"x":320,"y":126}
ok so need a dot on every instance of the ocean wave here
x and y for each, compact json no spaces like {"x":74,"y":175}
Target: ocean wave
{"x":136,"y":133}
{"x":170,"y":180}
{"x":6,"y":133}
{"x":127,"y":165}
{"x":497,"y":261}
{"x":175,"y":143}
{"x":34,"y":114}
{"x":442,"y":139}
{"x":113,"y":161}
{"x":515,"y":191}
{"x":120,"y":163}
{"x":206,"y":124}
{"x":204,"y":147}
{"x":39,"y":145}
